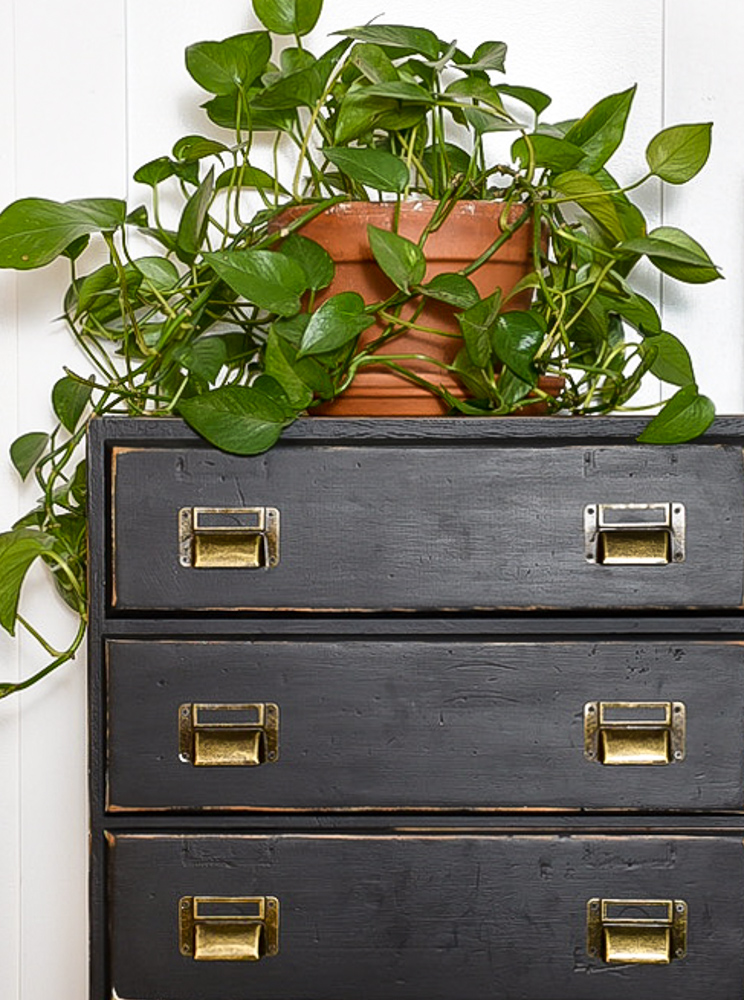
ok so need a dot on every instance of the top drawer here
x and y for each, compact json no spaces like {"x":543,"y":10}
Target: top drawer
{"x":423,"y":522}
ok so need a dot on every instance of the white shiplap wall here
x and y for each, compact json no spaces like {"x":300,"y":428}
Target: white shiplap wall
{"x":89,"y":90}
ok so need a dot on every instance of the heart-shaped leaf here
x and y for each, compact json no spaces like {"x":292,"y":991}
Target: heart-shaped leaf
{"x":477,"y":324}
{"x":288,"y":17}
{"x":671,"y":361}
{"x":684,"y":417}
{"x":589,"y":194}
{"x":601,"y":130}
{"x":26,"y":451}
{"x":69,"y":399}
{"x":238,"y":419}
{"x":223,"y":68}
{"x":401,"y":260}
{"x":18,"y":550}
{"x":316,"y":262}
{"x":375,"y":168}
{"x":454,"y":289}
{"x":264,"y":277}
{"x":678,"y":153}
{"x":34,"y":231}
{"x":676,"y":254}
{"x":339,"y":320}
{"x":516,"y":339}
{"x":419,"y":40}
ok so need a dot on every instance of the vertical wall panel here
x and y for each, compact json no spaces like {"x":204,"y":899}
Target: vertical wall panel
{"x":10,"y":869}
{"x":704,"y":82}
{"x":69,"y":113}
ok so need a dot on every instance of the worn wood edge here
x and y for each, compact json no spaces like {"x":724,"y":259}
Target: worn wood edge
{"x":619,"y":429}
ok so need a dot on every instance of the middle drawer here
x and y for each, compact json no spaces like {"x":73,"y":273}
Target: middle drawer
{"x":362,"y":724}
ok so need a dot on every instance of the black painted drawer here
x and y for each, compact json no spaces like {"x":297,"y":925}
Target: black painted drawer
{"x":426,"y":527}
{"x":420,"y":917}
{"x":425,"y":724}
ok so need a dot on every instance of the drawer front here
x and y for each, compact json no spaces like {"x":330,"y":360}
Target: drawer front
{"x":423,"y":917}
{"x":435,"y":527}
{"x":411,"y":724}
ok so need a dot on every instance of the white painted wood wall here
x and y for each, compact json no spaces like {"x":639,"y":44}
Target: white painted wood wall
{"x":91,"y":89}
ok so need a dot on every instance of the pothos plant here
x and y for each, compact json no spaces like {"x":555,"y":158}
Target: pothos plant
{"x":214,"y":316}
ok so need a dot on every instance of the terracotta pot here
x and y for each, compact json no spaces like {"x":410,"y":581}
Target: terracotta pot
{"x":470,"y":229}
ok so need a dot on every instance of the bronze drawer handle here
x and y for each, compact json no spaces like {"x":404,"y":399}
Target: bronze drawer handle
{"x":228,"y":537}
{"x":634,"y":732}
{"x":211,"y":735}
{"x":228,"y":928}
{"x":636,"y":931}
{"x":634,"y":534}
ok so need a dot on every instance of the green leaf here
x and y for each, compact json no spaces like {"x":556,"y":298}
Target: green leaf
{"x":246,"y":176}
{"x":374,"y":168}
{"x":203,"y":357}
{"x":302,"y":88}
{"x":358,"y":114}
{"x":280,"y":362}
{"x":589,"y":194}
{"x":222,"y":68}
{"x":454,"y":289}
{"x":228,"y":111}
{"x":488,"y":55}
{"x":671,"y":361}
{"x":684,"y":417}
{"x":512,"y":389}
{"x":238,"y":419}
{"x":18,"y":550}
{"x":288,"y":17}
{"x":676,"y":154}
{"x":601,"y":130}
{"x":516,"y":339}
{"x":676,"y":254}
{"x":196,"y":147}
{"x":34,"y":231}
{"x":69,"y":399}
{"x":455,"y":157}
{"x":477,"y":324}
{"x":400,"y":90}
{"x":634,"y":309}
{"x":26,"y":451}
{"x":192,"y":228}
{"x":373,"y":63}
{"x":401,"y":260}
{"x":481,"y":90}
{"x":158,"y":272}
{"x":138,"y":217}
{"x":339,"y":320}
{"x":534,"y":99}
{"x":397,"y":36}
{"x":76,"y":248}
{"x":265,"y":277}
{"x":548,"y":151}
{"x":292,"y":59}
{"x":316,"y":262}
{"x":93,"y":285}
{"x":156,"y":171}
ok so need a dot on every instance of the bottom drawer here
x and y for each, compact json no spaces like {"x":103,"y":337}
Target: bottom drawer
{"x":414,"y":916}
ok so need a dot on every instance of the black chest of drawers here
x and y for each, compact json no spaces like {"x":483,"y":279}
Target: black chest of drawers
{"x":417,"y":710}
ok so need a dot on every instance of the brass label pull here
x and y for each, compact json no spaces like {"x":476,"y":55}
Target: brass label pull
{"x":228,"y":735}
{"x":228,"y":928}
{"x":634,"y":534}
{"x":634,"y":732}
{"x":228,"y":537}
{"x":637,"y":931}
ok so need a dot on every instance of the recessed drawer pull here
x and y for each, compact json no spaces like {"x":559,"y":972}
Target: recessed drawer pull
{"x":634,"y":534}
{"x":228,"y":928}
{"x":637,"y":931}
{"x":228,"y":537}
{"x":228,"y":735}
{"x":634,"y":732}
